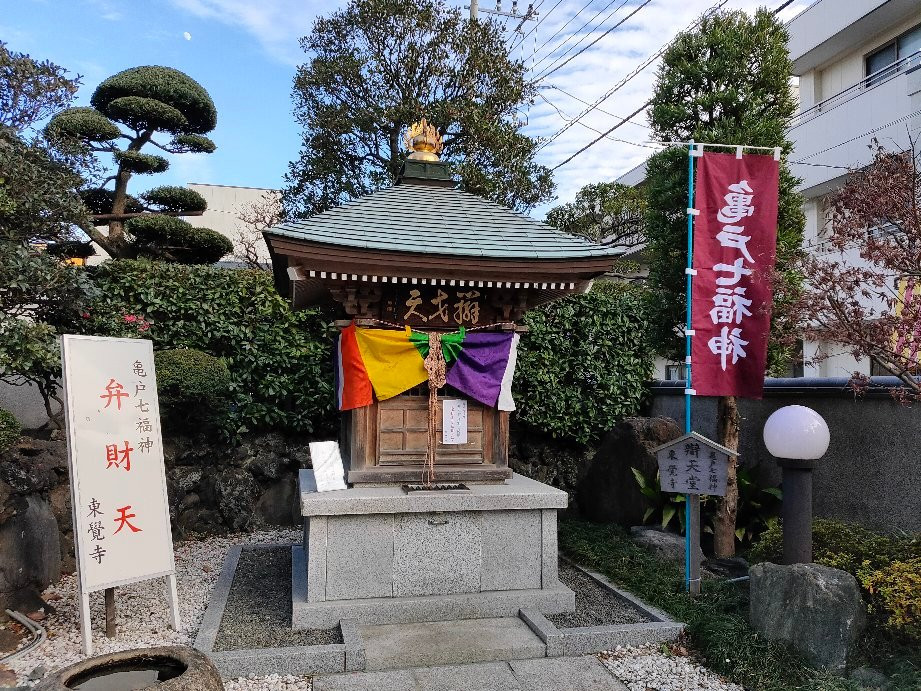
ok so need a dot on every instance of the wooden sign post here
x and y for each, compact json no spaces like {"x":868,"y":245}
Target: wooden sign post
{"x":117,"y":476}
{"x":693,"y":465}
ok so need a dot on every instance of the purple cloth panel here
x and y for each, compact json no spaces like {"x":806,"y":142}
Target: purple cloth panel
{"x":480,"y":366}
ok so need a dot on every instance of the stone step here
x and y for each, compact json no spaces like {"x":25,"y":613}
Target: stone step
{"x":400,"y":646}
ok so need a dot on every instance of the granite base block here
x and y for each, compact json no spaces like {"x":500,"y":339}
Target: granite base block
{"x":389,"y":610}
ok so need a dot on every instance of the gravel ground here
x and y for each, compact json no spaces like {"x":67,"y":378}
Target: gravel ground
{"x":258,"y":612}
{"x":595,"y":604}
{"x":648,"y":667}
{"x":143,"y":613}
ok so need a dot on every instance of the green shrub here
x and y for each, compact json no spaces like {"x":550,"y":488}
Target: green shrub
{"x":10,"y":429}
{"x":160,"y":237}
{"x":583,"y":364}
{"x":895,"y":592}
{"x":192,"y":385}
{"x":279,"y":361}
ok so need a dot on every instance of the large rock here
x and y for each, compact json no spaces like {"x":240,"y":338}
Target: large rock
{"x":30,"y":554}
{"x":816,"y":609}
{"x":609,"y":493}
{"x":279,"y":504}
{"x":668,"y":546}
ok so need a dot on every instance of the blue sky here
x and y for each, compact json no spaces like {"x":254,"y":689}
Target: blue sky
{"x":245,"y":52}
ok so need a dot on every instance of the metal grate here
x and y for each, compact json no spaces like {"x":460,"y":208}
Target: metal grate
{"x":438,"y":487}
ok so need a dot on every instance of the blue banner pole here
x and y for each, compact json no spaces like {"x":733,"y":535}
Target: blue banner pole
{"x":689,"y":523}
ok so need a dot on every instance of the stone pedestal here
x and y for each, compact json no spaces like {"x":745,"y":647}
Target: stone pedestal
{"x":381,"y":555}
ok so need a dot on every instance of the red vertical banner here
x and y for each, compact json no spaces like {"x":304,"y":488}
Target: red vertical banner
{"x":735,"y":241}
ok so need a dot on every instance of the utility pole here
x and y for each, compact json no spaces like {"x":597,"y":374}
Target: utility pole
{"x":528,"y":16}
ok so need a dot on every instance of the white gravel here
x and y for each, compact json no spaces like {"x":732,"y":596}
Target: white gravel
{"x":647,"y":667}
{"x":143,"y":621}
{"x":143,"y":613}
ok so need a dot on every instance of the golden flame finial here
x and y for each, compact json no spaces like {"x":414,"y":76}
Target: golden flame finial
{"x":423,"y":141}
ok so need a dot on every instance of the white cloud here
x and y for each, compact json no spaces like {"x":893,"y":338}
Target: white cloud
{"x":276,"y":24}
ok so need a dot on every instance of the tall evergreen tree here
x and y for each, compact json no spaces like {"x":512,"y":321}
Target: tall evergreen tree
{"x":727,"y":81}
{"x":376,"y":66}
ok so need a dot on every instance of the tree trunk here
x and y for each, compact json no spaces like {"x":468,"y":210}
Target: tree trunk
{"x":724,"y":527}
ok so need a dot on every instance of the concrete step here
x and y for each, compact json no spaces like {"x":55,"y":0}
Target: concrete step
{"x":400,"y":646}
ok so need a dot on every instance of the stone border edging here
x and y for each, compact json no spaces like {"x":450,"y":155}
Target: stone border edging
{"x":587,"y":640}
{"x":295,"y":660}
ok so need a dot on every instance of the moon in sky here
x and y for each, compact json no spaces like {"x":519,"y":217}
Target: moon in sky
{"x":187,"y":36}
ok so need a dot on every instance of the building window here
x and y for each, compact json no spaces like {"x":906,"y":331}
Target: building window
{"x":906,"y":45}
{"x":674,"y":372}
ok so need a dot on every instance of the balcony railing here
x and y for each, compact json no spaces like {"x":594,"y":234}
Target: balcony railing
{"x":867,"y":84}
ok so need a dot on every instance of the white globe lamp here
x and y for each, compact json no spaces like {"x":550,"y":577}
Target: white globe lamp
{"x":797,"y":436}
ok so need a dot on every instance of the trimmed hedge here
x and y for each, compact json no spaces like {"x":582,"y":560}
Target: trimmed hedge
{"x":279,"y":361}
{"x":10,"y":429}
{"x":192,"y":385}
{"x":584,"y":362}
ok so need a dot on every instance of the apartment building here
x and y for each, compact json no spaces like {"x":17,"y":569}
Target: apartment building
{"x":858,"y":63}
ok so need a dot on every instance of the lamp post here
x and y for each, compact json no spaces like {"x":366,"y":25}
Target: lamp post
{"x":797,"y":436}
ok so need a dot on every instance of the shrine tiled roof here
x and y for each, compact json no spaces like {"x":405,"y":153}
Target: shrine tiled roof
{"x":438,"y":220}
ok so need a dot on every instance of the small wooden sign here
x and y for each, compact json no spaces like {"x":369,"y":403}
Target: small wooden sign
{"x":437,"y":306}
{"x":693,"y":464}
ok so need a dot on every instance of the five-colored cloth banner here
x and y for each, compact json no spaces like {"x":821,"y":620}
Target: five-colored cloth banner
{"x":735,"y":237}
{"x":385,"y":363}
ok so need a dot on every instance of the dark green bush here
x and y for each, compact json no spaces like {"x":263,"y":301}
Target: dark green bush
{"x":177,"y":199}
{"x":844,"y":546}
{"x":84,"y":123}
{"x":168,"y":237}
{"x":10,"y":429}
{"x":166,"y":85}
{"x":279,"y":361}
{"x":192,"y":385}
{"x":193,"y":143}
{"x":583,"y":363}
{"x":99,"y":201}
{"x":142,"y":164}
{"x":141,"y":114}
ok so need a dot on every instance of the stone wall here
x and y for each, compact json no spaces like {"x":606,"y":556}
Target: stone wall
{"x":872,"y":471}
{"x":597,"y":477}
{"x":212,"y":488}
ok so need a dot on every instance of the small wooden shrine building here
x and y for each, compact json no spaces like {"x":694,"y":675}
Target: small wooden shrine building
{"x":426,"y":254}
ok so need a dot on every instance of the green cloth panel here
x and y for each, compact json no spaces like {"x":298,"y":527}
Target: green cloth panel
{"x":451,"y":344}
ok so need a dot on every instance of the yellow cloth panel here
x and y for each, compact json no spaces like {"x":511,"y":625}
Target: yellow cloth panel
{"x":393,"y":363}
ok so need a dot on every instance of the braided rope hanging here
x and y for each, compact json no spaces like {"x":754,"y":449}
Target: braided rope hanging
{"x":436,"y":368}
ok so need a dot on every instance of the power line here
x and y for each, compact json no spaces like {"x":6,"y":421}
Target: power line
{"x":593,"y":129}
{"x":600,"y":110}
{"x":568,"y":22}
{"x":563,"y":64}
{"x":601,"y":136}
{"x":549,"y":56}
{"x":642,"y":66}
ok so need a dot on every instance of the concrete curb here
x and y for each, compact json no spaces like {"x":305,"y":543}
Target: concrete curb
{"x":587,"y":640}
{"x":297,"y":660}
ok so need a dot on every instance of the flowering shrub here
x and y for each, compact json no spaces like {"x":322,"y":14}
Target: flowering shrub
{"x":896,"y":594}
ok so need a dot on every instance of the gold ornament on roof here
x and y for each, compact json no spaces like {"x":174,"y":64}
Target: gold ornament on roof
{"x":423,"y":141}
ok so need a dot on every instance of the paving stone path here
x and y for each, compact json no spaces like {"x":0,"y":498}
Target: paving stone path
{"x":542,"y":674}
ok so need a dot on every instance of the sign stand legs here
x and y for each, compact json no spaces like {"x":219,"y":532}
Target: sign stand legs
{"x":692,"y":547}
{"x":173,"y":602}
{"x":111,"y":628}
{"x":86,"y":623}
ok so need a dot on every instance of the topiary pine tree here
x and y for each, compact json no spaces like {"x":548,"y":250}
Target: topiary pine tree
{"x":146,"y":101}
{"x":726,"y":81}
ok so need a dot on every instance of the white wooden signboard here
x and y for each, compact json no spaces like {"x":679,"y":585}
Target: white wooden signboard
{"x":117,"y":476}
{"x":693,"y":464}
{"x":454,"y":421}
